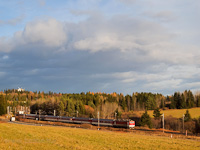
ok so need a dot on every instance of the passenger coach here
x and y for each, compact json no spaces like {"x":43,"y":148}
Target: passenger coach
{"x":77,"y":120}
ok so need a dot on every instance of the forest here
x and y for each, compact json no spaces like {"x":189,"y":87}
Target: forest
{"x":88,"y":104}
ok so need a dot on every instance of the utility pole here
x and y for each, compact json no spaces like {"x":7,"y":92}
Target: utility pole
{"x":163,"y":122}
{"x":54,"y":112}
{"x":115,"y":115}
{"x":26,"y":110}
{"x":98,"y":119}
{"x":39,"y":114}
{"x":77,"y":113}
{"x":8,"y":111}
{"x":183,"y":122}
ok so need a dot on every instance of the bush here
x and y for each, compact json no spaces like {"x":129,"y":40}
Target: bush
{"x":172,"y":123}
{"x":197,"y":126}
{"x":176,"y":124}
{"x":189,"y":126}
{"x":156,"y":123}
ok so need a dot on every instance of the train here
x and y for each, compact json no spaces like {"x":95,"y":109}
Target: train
{"x":77,"y":120}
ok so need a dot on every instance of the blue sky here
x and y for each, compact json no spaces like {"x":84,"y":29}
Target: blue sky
{"x":121,"y":46}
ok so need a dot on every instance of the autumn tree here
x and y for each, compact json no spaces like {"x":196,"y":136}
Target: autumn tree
{"x":89,"y":111}
{"x":108,"y":109}
{"x":61,"y":108}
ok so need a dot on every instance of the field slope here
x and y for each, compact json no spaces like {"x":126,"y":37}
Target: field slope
{"x":14,"y":136}
{"x":177,"y":113}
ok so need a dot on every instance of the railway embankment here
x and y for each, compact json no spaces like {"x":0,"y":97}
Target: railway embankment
{"x":137,"y":130}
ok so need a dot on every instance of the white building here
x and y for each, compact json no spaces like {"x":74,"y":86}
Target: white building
{"x":20,"y":89}
{"x":21,"y":112}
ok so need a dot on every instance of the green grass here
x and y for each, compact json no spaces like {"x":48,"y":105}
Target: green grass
{"x":14,"y":136}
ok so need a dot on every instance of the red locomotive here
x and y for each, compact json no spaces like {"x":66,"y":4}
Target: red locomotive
{"x":77,"y":120}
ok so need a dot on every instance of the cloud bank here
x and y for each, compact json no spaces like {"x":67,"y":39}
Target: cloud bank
{"x":100,"y":52}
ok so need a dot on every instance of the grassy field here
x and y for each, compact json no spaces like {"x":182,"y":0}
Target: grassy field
{"x":14,"y":136}
{"x":178,"y":113}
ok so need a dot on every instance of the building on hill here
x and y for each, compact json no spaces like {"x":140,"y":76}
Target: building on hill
{"x":20,"y":89}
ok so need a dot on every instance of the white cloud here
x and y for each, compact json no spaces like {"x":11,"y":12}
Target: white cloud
{"x":119,"y":33}
{"x":164,"y":84}
{"x":142,"y":39}
{"x":161,"y":16}
{"x":5,"y":45}
{"x":48,"y":32}
{"x":146,"y":49}
{"x":107,"y":41}
{"x":168,"y":78}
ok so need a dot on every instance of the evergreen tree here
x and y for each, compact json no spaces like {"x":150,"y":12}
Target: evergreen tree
{"x":146,"y":120}
{"x":183,"y":104}
{"x":156,"y":113}
{"x":2,"y":105}
{"x":162,"y":105}
{"x":178,"y":100}
{"x":198,"y":101}
{"x":122,"y":102}
{"x":133,"y":102}
{"x":172,"y":104}
{"x":128,"y":101}
{"x":187,"y":116}
{"x":190,"y":100}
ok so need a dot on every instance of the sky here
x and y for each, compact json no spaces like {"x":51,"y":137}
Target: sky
{"x":123,"y":46}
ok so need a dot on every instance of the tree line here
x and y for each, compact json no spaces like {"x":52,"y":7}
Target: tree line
{"x":111,"y":105}
{"x":88,"y":104}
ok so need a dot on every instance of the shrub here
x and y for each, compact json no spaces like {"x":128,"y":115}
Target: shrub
{"x":197,"y":126}
{"x":189,"y":126}
{"x":156,"y":123}
{"x":172,"y":123}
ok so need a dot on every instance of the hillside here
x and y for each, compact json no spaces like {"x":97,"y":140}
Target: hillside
{"x":44,"y":137}
{"x":177,"y":113}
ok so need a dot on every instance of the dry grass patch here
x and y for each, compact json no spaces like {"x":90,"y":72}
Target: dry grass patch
{"x":177,"y":113}
{"x":16,"y":136}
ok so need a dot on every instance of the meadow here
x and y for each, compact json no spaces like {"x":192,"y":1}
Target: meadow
{"x":177,"y":113}
{"x":15,"y":136}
